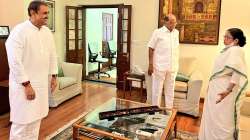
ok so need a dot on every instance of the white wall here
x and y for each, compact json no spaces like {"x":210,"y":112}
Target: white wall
{"x":94,"y":32}
{"x":11,"y":13}
{"x":144,"y":21}
{"x":94,"y":26}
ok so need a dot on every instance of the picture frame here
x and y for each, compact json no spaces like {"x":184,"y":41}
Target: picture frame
{"x":198,"y":21}
{"x":4,"y":31}
{"x":51,"y":15}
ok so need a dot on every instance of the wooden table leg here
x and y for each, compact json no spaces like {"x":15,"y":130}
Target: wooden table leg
{"x":130,"y":87}
{"x":175,"y":128}
{"x":124,"y":86}
{"x":75,"y":133}
{"x":141,"y":91}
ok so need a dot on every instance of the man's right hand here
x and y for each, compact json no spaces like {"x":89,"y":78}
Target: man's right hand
{"x":150,"y":69}
{"x":29,"y":92}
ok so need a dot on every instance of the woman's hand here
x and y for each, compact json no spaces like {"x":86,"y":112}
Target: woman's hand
{"x":222,"y":96}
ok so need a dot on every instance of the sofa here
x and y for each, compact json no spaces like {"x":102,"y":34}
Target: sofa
{"x":188,"y":86}
{"x":245,"y":119}
{"x":69,"y":83}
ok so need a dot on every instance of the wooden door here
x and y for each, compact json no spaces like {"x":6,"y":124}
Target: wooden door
{"x":4,"y":70}
{"x":75,"y":36}
{"x":123,"y":43}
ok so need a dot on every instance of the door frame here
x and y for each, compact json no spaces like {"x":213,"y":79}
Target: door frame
{"x":119,"y":83}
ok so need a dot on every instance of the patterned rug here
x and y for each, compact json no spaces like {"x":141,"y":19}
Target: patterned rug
{"x":65,"y":133}
{"x":183,"y":135}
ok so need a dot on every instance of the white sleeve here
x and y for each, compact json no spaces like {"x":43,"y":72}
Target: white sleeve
{"x":153,"y":40}
{"x":53,"y":58}
{"x":15,"y":48}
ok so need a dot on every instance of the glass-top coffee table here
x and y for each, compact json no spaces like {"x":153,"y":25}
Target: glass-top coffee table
{"x":158,"y":126}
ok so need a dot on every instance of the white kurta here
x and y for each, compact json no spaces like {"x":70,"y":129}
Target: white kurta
{"x":32,"y":57}
{"x":166,"y":49}
{"x":220,"y":121}
{"x":25,"y":131}
{"x":165,"y":63}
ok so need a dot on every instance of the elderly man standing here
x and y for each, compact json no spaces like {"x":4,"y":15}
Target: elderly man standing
{"x":163,"y":61}
{"x":33,"y":63}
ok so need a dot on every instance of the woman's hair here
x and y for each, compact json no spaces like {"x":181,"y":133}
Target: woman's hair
{"x":238,"y":34}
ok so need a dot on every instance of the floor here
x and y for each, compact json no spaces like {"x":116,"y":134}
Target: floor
{"x":104,"y":77}
{"x":93,"y":95}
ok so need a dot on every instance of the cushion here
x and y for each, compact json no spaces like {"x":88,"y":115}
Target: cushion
{"x":180,"y":95}
{"x":60,"y":72}
{"x":181,"y":86}
{"x":66,"y":82}
{"x":182,"y":78}
{"x":187,"y":65}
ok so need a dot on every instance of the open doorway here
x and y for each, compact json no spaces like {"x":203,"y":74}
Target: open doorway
{"x":101,"y":44}
{"x":77,"y":47}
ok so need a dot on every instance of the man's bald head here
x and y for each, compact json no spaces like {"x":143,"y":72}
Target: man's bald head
{"x":170,"y":21}
{"x":169,"y":17}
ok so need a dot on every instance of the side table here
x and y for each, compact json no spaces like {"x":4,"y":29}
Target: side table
{"x":130,"y":77}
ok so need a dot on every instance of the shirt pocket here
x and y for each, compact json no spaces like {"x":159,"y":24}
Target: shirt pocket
{"x":164,"y":42}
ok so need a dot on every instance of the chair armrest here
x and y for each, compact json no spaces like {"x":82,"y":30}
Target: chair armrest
{"x":72,"y":70}
{"x":112,"y":52}
{"x":194,"y":87}
{"x":196,"y":75}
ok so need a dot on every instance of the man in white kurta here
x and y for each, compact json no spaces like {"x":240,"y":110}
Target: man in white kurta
{"x":163,"y":61}
{"x":33,"y":63}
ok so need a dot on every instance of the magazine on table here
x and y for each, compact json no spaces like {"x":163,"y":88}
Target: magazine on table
{"x":158,"y":120}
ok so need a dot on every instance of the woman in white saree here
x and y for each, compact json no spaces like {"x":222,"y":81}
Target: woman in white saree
{"x":225,"y":91}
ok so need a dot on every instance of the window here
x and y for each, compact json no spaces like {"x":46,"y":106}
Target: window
{"x":107,"y":30}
